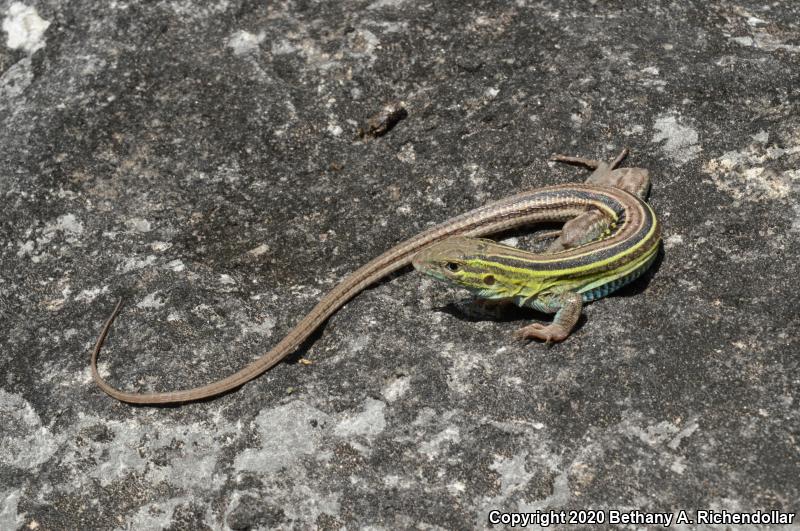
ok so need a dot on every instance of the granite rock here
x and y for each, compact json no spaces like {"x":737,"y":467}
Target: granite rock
{"x":205,"y":163}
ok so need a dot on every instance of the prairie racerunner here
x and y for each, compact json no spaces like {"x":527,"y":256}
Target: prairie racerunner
{"x":559,"y":281}
{"x":610,"y":235}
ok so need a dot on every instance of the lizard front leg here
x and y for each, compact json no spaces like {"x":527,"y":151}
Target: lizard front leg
{"x":567,"y":306}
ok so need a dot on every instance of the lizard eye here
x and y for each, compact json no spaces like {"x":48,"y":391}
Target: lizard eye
{"x":488,"y":280}
{"x":452,"y":266}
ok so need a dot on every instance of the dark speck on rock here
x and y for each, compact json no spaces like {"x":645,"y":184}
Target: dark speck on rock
{"x":384,"y":120}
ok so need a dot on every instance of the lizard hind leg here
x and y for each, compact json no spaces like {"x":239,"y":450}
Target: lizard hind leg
{"x":593,"y":224}
{"x":598,"y":166}
{"x":633,"y":180}
{"x":567,"y":306}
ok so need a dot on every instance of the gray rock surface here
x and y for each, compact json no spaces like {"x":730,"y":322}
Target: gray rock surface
{"x":204,"y":162}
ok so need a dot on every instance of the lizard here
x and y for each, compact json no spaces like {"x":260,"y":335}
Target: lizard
{"x":556,"y":281}
{"x":627,"y":222}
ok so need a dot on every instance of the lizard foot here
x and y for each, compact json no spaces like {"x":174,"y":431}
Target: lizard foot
{"x":551,"y":333}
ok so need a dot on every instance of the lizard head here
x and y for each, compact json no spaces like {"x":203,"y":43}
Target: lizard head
{"x":467,"y":262}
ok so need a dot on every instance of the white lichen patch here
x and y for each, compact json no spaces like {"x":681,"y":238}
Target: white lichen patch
{"x":243,"y":42}
{"x":16,"y":79}
{"x":765,"y":41}
{"x":183,"y":455}
{"x":407,"y":153}
{"x":24,"y":28}
{"x":9,"y":518}
{"x":260,"y":250}
{"x":796,"y":218}
{"x":132,"y":264}
{"x":334,"y":129}
{"x":379,"y":4}
{"x":299,"y":503}
{"x":159,"y":515}
{"x":434,"y":447}
{"x":25,"y":248}
{"x":67,"y":224}
{"x":476,"y":174}
{"x":152,"y":300}
{"x":89,"y":295}
{"x":24,"y":442}
{"x":363,"y":43}
{"x":262,"y":328}
{"x":666,"y":435}
{"x":651,"y":77}
{"x":65,"y":228}
{"x":513,"y":473}
{"x":680,"y":140}
{"x":633,"y":129}
{"x":175,"y":265}
{"x":306,"y":48}
{"x":755,"y":173}
{"x":138,"y":225}
{"x":673,"y":240}
{"x":396,"y":388}
{"x":758,"y":33}
{"x":368,"y":423}
{"x":287,"y":434}
{"x":160,"y":246}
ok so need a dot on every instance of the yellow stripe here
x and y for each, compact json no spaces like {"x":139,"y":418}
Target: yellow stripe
{"x":615,"y":274}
